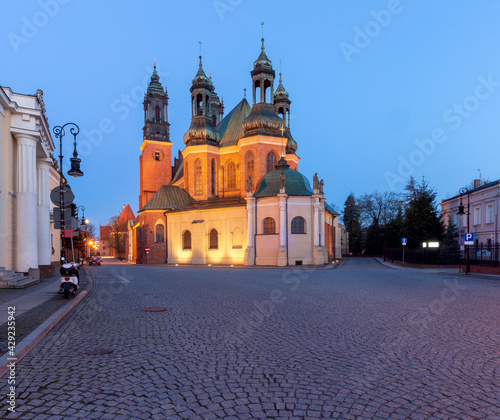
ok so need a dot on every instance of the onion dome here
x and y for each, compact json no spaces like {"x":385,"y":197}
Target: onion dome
{"x":155,"y":87}
{"x":295,"y":183}
{"x":281,"y":93}
{"x":291,"y":145}
{"x":201,"y":131}
{"x":262,"y":62}
{"x":262,"y":120}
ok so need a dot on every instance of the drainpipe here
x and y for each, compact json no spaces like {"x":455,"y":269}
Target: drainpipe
{"x":286,"y":229}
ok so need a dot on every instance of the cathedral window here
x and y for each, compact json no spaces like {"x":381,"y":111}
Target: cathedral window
{"x":249,"y":166}
{"x":199,"y":104}
{"x":268,"y":226}
{"x":214,"y":239}
{"x":186,"y":240}
{"x":298,"y":225}
{"x":160,"y":233}
{"x":213,"y":173}
{"x":157,"y":112}
{"x":198,"y":184}
{"x":157,"y":155}
{"x":231,"y":176}
{"x":270,"y":162}
{"x":186,"y":174}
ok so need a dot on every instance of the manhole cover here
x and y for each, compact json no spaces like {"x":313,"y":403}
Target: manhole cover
{"x":154,"y":309}
{"x":100,"y":351}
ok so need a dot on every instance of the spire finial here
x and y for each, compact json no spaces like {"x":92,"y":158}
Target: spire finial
{"x":200,"y":52}
{"x":280,"y":71}
{"x":244,"y":92}
{"x":262,"y":23}
{"x":154,"y":61}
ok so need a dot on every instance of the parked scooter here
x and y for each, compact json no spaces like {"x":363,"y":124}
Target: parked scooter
{"x":70,"y":279}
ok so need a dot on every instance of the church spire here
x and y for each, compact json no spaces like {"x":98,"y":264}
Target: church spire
{"x":156,"y":125}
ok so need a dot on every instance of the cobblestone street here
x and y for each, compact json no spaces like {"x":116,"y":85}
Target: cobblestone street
{"x":359,"y":341}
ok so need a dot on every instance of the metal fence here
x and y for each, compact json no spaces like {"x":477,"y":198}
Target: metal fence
{"x":480,"y":254}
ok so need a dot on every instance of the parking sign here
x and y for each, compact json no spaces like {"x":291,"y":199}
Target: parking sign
{"x":469,"y":238}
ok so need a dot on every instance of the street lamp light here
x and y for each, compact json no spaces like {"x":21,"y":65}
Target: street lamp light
{"x":74,"y":171}
{"x":462,"y":212}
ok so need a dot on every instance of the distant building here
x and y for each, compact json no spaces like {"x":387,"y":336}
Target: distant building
{"x":114,"y":238}
{"x":26,"y":146}
{"x":484,"y":207}
{"x":234,"y":194}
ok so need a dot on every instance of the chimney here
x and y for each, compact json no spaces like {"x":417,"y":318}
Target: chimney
{"x":477,"y":183}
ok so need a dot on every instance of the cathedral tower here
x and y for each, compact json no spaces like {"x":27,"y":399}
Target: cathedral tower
{"x":155,"y":160}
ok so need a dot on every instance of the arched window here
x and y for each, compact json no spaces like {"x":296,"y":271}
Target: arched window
{"x":249,"y":166}
{"x":199,"y":104}
{"x":268,"y":226}
{"x":186,"y":240}
{"x":198,"y":184}
{"x":214,"y":179}
{"x":231,"y":176}
{"x":270,"y":162}
{"x":214,"y":239}
{"x":157,"y":112}
{"x":237,"y":238}
{"x":160,"y":233}
{"x":214,"y":120}
{"x":298,"y":225}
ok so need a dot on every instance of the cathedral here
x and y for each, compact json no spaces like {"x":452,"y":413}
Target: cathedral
{"x":234,"y":194}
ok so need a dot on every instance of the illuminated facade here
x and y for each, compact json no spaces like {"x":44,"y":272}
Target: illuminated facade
{"x":234,"y":195}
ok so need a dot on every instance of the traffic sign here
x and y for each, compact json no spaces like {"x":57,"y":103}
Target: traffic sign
{"x":469,"y":238}
{"x":68,"y":196}
{"x":68,"y":233}
{"x":57,"y":214}
{"x":404,"y":241}
{"x":147,"y":250}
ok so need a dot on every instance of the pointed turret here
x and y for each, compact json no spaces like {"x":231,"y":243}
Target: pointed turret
{"x":156,"y":126}
{"x":282,"y":108}
{"x":201,"y":130}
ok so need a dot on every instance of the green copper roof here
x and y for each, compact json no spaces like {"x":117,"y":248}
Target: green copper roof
{"x":169,"y":197}
{"x":231,"y":127}
{"x":155,"y":87}
{"x":296,"y":184}
{"x":331,"y":209}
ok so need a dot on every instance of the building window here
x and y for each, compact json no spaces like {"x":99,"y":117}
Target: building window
{"x":214,"y":239}
{"x":186,"y":240}
{"x":160,"y":233}
{"x":213,"y":172}
{"x":465,"y":219}
{"x":249,"y":166}
{"x":231,"y":176}
{"x":298,"y":225}
{"x":489,"y":213}
{"x":237,"y":238}
{"x":268,"y":226}
{"x":270,"y":162}
{"x":157,"y":155}
{"x":157,"y":113}
{"x":186,"y":176}
{"x":477,"y":215}
{"x":198,"y":185}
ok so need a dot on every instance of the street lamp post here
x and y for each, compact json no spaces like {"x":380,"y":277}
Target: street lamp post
{"x":74,"y":171}
{"x":462,"y":212}
{"x":84,"y":223}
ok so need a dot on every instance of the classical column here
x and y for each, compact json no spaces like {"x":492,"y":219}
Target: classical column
{"x":322,"y":225}
{"x":282,"y":205}
{"x":250,"y":251}
{"x":43,"y":211}
{"x":315,"y":223}
{"x":26,"y":255}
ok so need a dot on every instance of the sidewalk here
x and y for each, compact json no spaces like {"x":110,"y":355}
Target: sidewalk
{"x":31,"y":300}
{"x":436,"y":270}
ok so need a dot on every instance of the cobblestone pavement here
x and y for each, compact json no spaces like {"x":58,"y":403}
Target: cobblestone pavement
{"x":362,"y":341}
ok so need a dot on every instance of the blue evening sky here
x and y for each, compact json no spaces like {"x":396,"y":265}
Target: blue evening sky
{"x":380,"y":90}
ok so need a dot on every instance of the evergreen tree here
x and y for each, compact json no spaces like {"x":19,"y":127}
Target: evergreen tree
{"x":352,"y":224}
{"x":422,"y":221}
{"x":394,"y":230}
{"x":450,"y":249}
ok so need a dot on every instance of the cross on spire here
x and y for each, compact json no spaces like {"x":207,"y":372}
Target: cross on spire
{"x":154,"y":61}
{"x":244,"y":92}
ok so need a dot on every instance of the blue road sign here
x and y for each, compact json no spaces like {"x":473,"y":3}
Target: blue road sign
{"x":404,"y":241}
{"x":469,"y":238}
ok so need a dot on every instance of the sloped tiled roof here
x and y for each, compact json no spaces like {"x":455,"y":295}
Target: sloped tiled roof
{"x":179,"y":172}
{"x":126,"y":214}
{"x":331,"y":209}
{"x":231,"y":127}
{"x":169,"y":197}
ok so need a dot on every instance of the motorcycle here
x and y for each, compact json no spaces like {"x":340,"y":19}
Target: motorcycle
{"x":70,"y":279}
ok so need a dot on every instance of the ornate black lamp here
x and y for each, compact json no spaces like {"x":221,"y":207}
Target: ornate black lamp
{"x":74,"y":171}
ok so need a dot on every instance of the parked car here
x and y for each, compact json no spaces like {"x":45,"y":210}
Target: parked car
{"x":95,"y":260}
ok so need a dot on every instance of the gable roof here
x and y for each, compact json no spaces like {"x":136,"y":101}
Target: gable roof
{"x":231,"y":127}
{"x":126,"y":214}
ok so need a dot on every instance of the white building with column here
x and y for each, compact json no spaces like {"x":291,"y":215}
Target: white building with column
{"x":26,"y":145}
